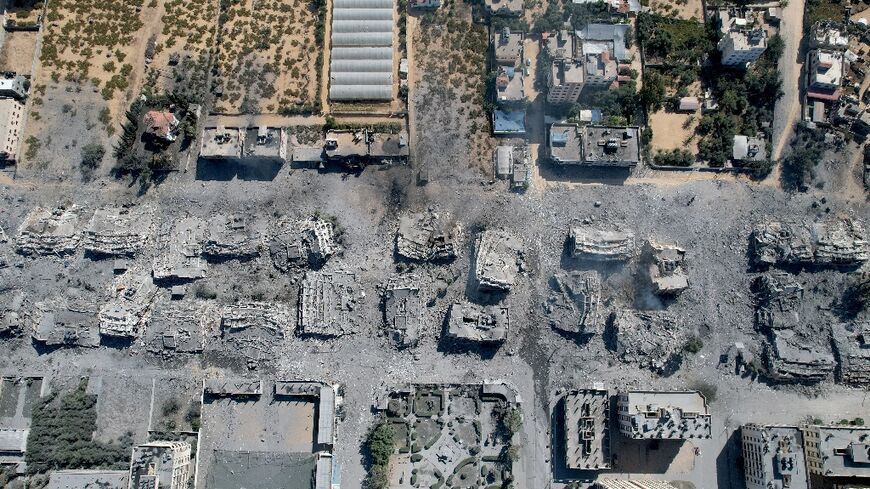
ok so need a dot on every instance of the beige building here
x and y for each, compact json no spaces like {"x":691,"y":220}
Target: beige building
{"x":11,"y":112}
{"x":565,"y":82}
{"x":160,"y":465}
{"x":664,"y":415}
{"x":773,"y":457}
{"x":837,"y":456}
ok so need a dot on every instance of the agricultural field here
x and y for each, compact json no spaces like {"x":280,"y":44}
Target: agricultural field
{"x":269,"y":55}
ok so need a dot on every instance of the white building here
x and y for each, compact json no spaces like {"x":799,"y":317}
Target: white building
{"x":664,"y":415}
{"x":740,"y":47}
{"x":826,"y":69}
{"x":773,"y":457}
{"x":11,"y":113}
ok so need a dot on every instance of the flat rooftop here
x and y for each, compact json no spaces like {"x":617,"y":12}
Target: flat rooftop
{"x":566,"y":145}
{"x":845,"y":450}
{"x":587,"y":440}
{"x":221,"y":142}
{"x":666,"y":415}
{"x":264,"y":142}
{"x":611,"y":146}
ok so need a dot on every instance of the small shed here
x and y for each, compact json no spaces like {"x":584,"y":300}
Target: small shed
{"x":689,"y":104}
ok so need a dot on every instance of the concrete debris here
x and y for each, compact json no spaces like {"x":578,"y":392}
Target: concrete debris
{"x":794,"y":357}
{"x":230,"y":238}
{"x":836,"y":242}
{"x":276,"y":318}
{"x":233,"y":387}
{"x":471,"y":322}
{"x":306,"y":243}
{"x":428,"y":236}
{"x":601,"y":245}
{"x":498,"y":260}
{"x":180,"y":256}
{"x":852,"y":348}
{"x":573,"y":303}
{"x":176,"y":327}
{"x":48,"y":232}
{"x":12,"y":312}
{"x":328,"y":303}
{"x":650,"y":339}
{"x":667,"y":268}
{"x":65,"y":321}
{"x":3,"y":237}
{"x":115,"y":231}
{"x":127,"y":314}
{"x":403,"y":311}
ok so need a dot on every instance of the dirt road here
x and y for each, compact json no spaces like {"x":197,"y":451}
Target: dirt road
{"x":788,"y":108}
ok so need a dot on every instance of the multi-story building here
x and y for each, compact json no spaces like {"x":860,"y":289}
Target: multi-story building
{"x":837,"y":456}
{"x":587,"y":437}
{"x":633,"y":484}
{"x":826,"y":69}
{"x":11,"y":112}
{"x":507,"y":47}
{"x":773,"y":457}
{"x":600,"y":69}
{"x":565,"y":82}
{"x":741,"y":43}
{"x":603,"y":146}
{"x":160,"y":465}
{"x":661,"y":415}
{"x":509,"y":85}
{"x":560,"y":45}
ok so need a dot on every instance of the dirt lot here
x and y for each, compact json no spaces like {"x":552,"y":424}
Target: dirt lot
{"x":670,"y":130}
{"x":17,"y":52}
{"x":683,"y":9}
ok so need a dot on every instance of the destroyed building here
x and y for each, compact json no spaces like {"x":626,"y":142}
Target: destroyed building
{"x":587,"y":429}
{"x":590,"y":243}
{"x":180,"y":256}
{"x":115,"y":231}
{"x":666,"y":268}
{"x":128,"y":311}
{"x":328,"y":304}
{"x":324,"y":395}
{"x":48,"y":232}
{"x":160,"y":465}
{"x":852,"y":348}
{"x":498,"y":260}
{"x":650,"y":339}
{"x":427,"y":236}
{"x":573,"y":303}
{"x":471,"y":322}
{"x":66,"y":320}
{"x":835,"y":242}
{"x":12,"y":312}
{"x":795,"y":350}
{"x":275,"y":317}
{"x":223,"y":387}
{"x":403,"y":312}
{"x":175,"y":327}
{"x":230,"y":238}
{"x":304,"y":243}
{"x":773,"y":457}
{"x":664,"y":415}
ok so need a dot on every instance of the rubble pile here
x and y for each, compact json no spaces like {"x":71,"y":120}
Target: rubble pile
{"x":667,"y":269}
{"x":403,"y":312}
{"x":601,"y":245}
{"x":115,"y":231}
{"x":650,"y":339}
{"x":471,"y":322}
{"x":275,"y":318}
{"x":127,"y":313}
{"x":793,"y":356}
{"x":180,"y":255}
{"x":573,"y":303}
{"x":498,"y":260}
{"x":230,"y":238}
{"x":175,"y":327}
{"x":65,"y":321}
{"x":327,"y":304}
{"x":852,"y":348}
{"x":427,"y":236}
{"x":48,"y":232}
{"x":12,"y":313}
{"x":838,"y":242}
{"x":306,"y":243}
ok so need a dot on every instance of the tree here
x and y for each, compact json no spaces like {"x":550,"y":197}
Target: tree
{"x":652,"y":95}
{"x":92,"y":156}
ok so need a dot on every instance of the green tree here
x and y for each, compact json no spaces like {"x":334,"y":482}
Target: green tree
{"x":652,"y":95}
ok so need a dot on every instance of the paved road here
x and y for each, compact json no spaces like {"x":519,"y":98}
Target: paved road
{"x":788,"y":108}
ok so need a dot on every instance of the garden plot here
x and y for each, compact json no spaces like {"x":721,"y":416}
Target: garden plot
{"x":268,"y":56}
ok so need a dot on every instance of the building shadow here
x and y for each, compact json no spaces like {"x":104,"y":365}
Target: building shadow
{"x":729,"y":464}
{"x":226,"y":170}
{"x":561,"y":472}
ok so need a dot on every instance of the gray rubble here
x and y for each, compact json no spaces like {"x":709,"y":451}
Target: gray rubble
{"x":277,"y":318}
{"x":176,"y":327}
{"x":12,"y":312}
{"x":65,"y":321}
{"x":230,"y":237}
{"x":834,"y":242}
{"x":666,"y":268}
{"x":117,"y":231}
{"x":179,"y":258}
{"x":302,"y":243}
{"x":649,"y":339}
{"x":49,"y":232}
{"x":852,"y":349}
{"x":573,"y":303}
{"x":498,"y":260}
{"x":127,"y":313}
{"x":483,"y":324}
{"x":428,"y":236}
{"x":403,"y":311}
{"x":328,"y":304}
{"x":592,"y":243}
{"x":796,"y":357}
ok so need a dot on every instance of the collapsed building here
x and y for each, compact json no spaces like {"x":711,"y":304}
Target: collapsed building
{"x":650,"y":339}
{"x":835,"y":242}
{"x":591,"y":243}
{"x":795,"y":350}
{"x":180,"y":256}
{"x":852,"y":348}
{"x":116,"y":231}
{"x":573,"y":303}
{"x":223,"y":387}
{"x":667,"y":268}
{"x":48,"y":232}
{"x":250,"y":331}
{"x":128,"y":311}
{"x":230,"y":237}
{"x":403,"y":312}
{"x":161,"y":465}
{"x":327,"y":304}
{"x":305,"y":243}
{"x":587,"y":429}
{"x":471,"y":322}
{"x":65,"y":321}
{"x":274,"y":317}
{"x":664,"y":415}
{"x":427,"y":236}
{"x":498,"y":260}
{"x":176,"y":327}
{"x":12,"y":312}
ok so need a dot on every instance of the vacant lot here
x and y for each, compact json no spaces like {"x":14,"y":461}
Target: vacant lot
{"x":681,"y":9}
{"x":17,"y":52}
{"x":267,"y":55}
{"x":672,"y":130}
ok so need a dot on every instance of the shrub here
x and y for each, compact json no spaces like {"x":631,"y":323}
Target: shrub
{"x":92,"y":156}
{"x":693,"y":345}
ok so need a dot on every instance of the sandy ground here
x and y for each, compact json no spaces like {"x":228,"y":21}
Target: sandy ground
{"x":788,"y":108}
{"x":17,"y":52}
{"x":669,"y":132}
{"x":691,"y":10}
